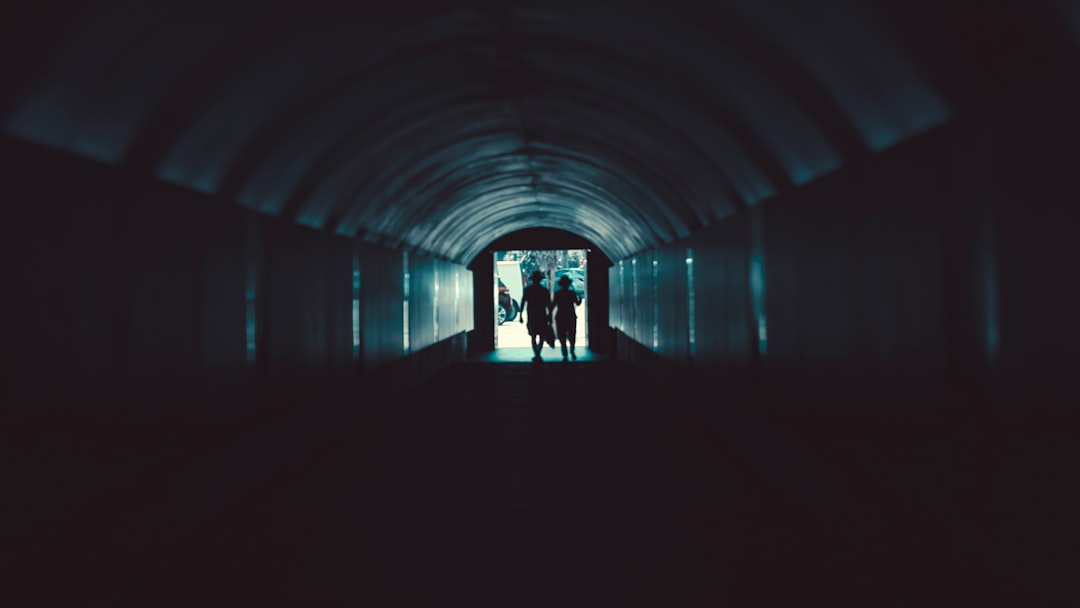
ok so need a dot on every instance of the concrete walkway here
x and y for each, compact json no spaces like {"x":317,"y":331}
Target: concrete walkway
{"x":513,"y":484}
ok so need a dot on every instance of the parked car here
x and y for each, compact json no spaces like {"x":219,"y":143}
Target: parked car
{"x":577,"y":276}
{"x":508,"y":307}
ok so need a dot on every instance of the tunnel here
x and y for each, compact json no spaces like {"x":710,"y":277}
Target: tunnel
{"x":249,"y":349}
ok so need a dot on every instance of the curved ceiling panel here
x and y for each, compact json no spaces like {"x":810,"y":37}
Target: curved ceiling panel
{"x":318,"y":54}
{"x":443,"y":127}
{"x":707,"y":75}
{"x":115,"y":71}
{"x":878,"y":88}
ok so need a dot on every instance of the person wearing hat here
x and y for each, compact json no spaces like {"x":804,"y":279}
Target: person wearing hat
{"x":565,"y":304}
{"x":536,"y":302}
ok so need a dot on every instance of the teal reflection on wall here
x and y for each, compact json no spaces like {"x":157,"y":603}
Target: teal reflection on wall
{"x":691,"y":329}
{"x":635,"y":301}
{"x":435,"y":305}
{"x":757,"y":278}
{"x":655,"y":303}
{"x":406,"y":284}
{"x":356,"y":305}
{"x":757,"y":296}
{"x":253,"y":230}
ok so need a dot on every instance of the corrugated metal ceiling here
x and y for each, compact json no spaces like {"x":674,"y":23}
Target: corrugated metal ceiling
{"x":444,"y":126}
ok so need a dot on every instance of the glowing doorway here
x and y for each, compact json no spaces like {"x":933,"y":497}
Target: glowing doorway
{"x":512,"y":270}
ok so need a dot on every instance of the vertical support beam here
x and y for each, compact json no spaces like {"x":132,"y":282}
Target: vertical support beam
{"x":691,"y":309}
{"x":482,"y":337}
{"x":598,"y":296}
{"x":357,"y":314}
{"x":756,"y":291}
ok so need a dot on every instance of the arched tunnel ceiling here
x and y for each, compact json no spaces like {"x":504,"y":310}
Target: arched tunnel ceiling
{"x":444,"y":126}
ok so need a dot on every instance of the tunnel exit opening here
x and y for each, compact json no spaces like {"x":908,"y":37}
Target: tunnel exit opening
{"x":561,"y":269}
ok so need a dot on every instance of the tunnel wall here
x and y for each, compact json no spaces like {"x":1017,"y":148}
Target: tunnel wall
{"x":899,"y":335}
{"x":837,"y":287}
{"x":914,"y":283}
{"x":131,"y":298}
{"x":155,"y":335}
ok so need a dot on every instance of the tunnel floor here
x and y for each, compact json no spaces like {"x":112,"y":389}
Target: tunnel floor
{"x":519,"y":484}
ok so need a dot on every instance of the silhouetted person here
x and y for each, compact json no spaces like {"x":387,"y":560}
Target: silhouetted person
{"x":536,"y":301}
{"x":565,"y":303}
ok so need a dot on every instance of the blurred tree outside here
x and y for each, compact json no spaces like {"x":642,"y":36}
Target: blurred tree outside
{"x":546,"y":261}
